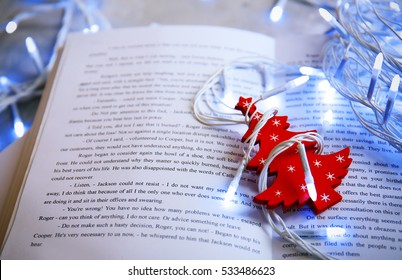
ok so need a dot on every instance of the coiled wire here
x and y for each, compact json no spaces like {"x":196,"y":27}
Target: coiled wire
{"x":372,"y":27}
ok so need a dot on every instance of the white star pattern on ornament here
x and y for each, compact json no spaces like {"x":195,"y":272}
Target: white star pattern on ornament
{"x":291,"y":168}
{"x":262,"y":161}
{"x":274,"y":137}
{"x":339,"y":158}
{"x":317,"y":163}
{"x":303,"y":188}
{"x":278,"y":193}
{"x":330,"y":176}
{"x":325,"y":197}
{"x":257,"y":117}
{"x":246,"y":104}
{"x":276,"y":123}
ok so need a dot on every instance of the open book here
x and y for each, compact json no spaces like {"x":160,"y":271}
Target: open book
{"x":118,"y":168}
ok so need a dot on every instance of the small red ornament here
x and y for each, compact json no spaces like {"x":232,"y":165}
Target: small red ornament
{"x":289,"y":187}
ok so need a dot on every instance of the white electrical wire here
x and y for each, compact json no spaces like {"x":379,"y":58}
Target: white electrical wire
{"x":374,"y":28}
{"x":327,"y":4}
{"x":274,"y":219}
{"x":280,"y":227}
{"x":206,"y":109}
{"x":210,"y":108}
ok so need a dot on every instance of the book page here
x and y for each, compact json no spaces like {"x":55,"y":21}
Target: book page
{"x":132,"y":170}
{"x":369,"y":215}
{"x":122,"y":170}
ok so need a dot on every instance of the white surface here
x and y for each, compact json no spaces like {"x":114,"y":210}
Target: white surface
{"x":187,"y":49}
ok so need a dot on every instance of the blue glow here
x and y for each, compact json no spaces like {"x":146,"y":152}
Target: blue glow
{"x":3,"y":81}
{"x":231,"y":192}
{"x":328,"y":117}
{"x":329,"y":92}
{"x":274,"y":102}
{"x":324,"y":85}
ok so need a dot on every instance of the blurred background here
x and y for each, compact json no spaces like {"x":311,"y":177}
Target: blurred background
{"x":32,"y":30}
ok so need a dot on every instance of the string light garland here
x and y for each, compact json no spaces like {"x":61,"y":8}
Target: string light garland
{"x":278,"y":8}
{"x":364,"y":63}
{"x":11,"y":91}
{"x":213,"y":105}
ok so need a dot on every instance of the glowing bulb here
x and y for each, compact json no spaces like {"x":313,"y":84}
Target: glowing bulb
{"x":308,"y":177}
{"x":324,"y":85}
{"x":11,"y":27}
{"x":289,"y":85}
{"x":234,"y":184}
{"x":231,"y":192}
{"x":328,"y":117}
{"x":393,"y":91}
{"x":326,"y":121}
{"x":277,"y":11}
{"x":335,"y":232}
{"x":299,"y":81}
{"x":4,"y":86}
{"x":31,"y":46}
{"x":276,"y":14}
{"x":3,"y":81}
{"x":94,"y":28}
{"x":333,"y":22}
{"x":331,"y":232}
{"x":378,"y":62}
{"x":274,"y":102}
{"x":19,"y":128}
{"x":394,"y":6}
{"x":325,"y":14}
{"x":394,"y":85}
{"x":34,"y":53}
{"x":374,"y":76}
{"x":310,"y":71}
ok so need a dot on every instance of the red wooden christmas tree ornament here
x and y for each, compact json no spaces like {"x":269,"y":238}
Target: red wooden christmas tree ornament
{"x":289,"y":187}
